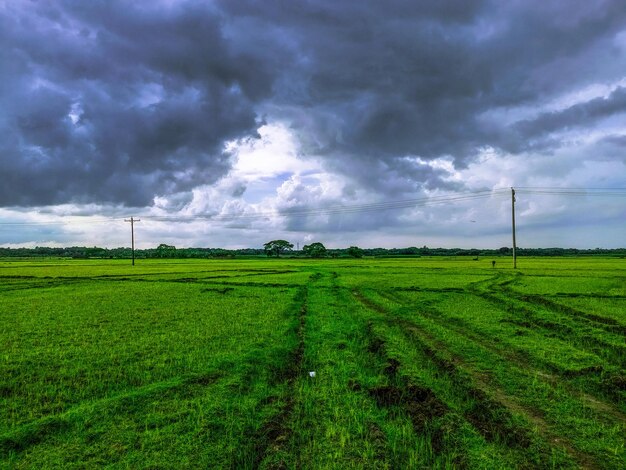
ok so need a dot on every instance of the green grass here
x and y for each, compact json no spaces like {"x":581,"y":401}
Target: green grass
{"x":419,"y":363}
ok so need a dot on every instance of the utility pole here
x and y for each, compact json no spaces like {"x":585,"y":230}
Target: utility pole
{"x":513,"y":226}
{"x":132,"y":235}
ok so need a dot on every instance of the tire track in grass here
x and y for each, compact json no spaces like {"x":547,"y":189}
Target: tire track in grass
{"x":498,"y":285}
{"x":475,"y":417}
{"x":578,"y":317}
{"x":509,"y":301}
{"x":449,"y":367}
{"x":336,"y":423}
{"x":487,"y":395}
{"x":420,"y":404}
{"x":319,"y":436}
{"x":611,"y":378}
{"x":40,"y":282}
{"x":29,"y":434}
{"x":609,"y":324}
{"x":456,"y":437}
{"x":514,"y":355}
{"x":493,"y":408}
{"x":274,"y":433}
{"x":253,"y":284}
{"x":606,"y":419}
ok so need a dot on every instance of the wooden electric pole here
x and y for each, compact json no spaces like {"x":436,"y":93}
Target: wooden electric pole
{"x":513,"y":227}
{"x":132,"y":235}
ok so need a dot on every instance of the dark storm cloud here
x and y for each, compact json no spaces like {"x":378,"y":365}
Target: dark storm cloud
{"x":617,"y":141}
{"x":112,"y":102}
{"x":122,"y":101}
{"x":579,"y":115}
{"x":377,"y":81}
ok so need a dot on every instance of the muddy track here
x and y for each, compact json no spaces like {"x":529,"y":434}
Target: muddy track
{"x":488,"y":415}
{"x":491,"y":414}
{"x":419,"y":404}
{"x":491,"y":417}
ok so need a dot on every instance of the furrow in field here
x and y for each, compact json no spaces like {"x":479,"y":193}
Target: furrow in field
{"x":37,"y":283}
{"x":334,"y":421}
{"x":24,"y":436}
{"x":354,"y":411}
{"x":503,"y":284}
{"x":419,"y":403}
{"x":330,"y":421}
{"x":530,"y":316}
{"x":487,"y":416}
{"x":255,"y":284}
{"x":587,"y":295}
{"x":492,"y":409}
{"x":507,"y":328}
{"x":606,"y":377}
{"x":275,"y":432}
{"x":598,"y":321}
{"x":226,"y":276}
{"x":587,"y":419}
{"x":511,"y":354}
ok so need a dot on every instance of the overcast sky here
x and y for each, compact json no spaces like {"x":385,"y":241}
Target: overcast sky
{"x":233,"y":113}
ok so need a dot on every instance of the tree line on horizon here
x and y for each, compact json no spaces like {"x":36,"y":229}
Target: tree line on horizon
{"x":283,"y":248}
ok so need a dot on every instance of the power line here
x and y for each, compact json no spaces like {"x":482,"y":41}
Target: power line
{"x":572,"y":191}
{"x":565,"y":188}
{"x":65,"y":222}
{"x":385,"y":205}
{"x":406,"y":204}
{"x":351,"y":209}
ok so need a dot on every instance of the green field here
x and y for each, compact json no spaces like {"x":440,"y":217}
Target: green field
{"x":418,"y":363}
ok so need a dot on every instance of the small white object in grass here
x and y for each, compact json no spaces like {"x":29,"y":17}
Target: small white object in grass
{"x":312,"y":373}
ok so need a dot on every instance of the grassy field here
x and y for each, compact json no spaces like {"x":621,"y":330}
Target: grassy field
{"x":418,"y":363}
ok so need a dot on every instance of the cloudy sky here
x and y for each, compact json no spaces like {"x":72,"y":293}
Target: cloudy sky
{"x":215,"y":121}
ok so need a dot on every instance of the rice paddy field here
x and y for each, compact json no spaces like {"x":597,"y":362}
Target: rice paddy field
{"x":287,"y":363}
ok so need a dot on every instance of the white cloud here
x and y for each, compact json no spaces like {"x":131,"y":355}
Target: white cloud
{"x":271,"y":176}
{"x":274,"y":154}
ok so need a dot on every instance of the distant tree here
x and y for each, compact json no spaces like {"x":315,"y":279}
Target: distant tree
{"x":166,"y":251}
{"x":355,"y":252}
{"x":163,"y":246}
{"x":276,"y":247}
{"x":314,"y":250}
